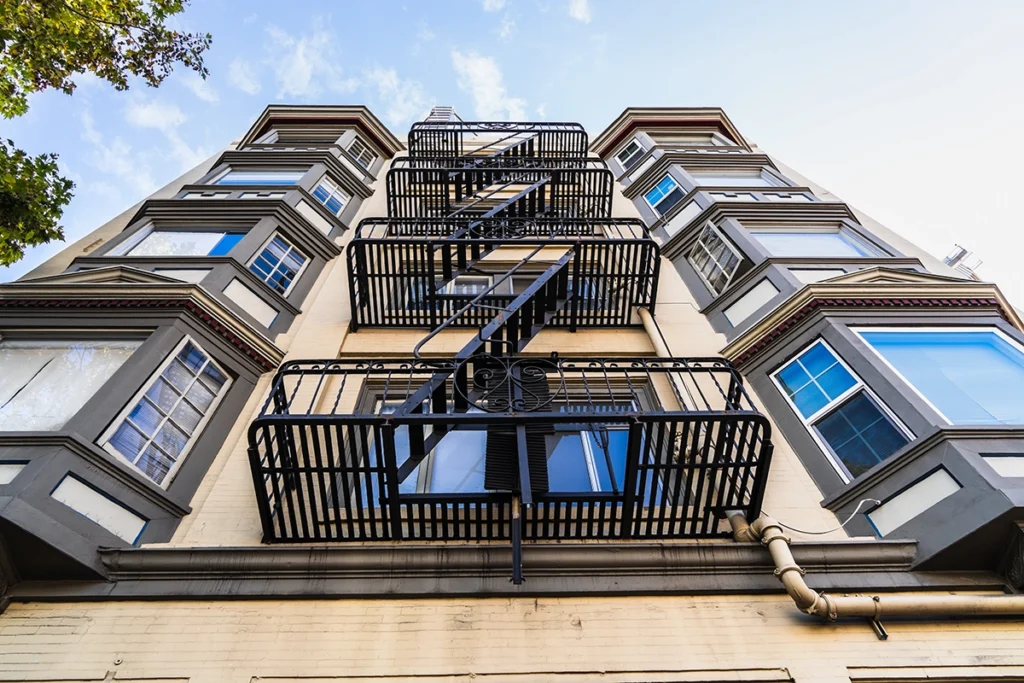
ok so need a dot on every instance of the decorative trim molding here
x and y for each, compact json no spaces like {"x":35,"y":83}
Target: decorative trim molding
{"x":359,"y":116}
{"x":402,"y":570}
{"x":664,"y":117}
{"x":854,"y":291}
{"x":192,"y":298}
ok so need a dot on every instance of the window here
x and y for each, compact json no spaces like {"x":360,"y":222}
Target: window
{"x":714,"y":259}
{"x":363,"y":155}
{"x":738,"y":178}
{"x":331,"y":196}
{"x":44,"y":383}
{"x":588,"y":458}
{"x":182,"y":243}
{"x":260,"y":177}
{"x":969,"y":375}
{"x":468,"y":285}
{"x":813,"y":243}
{"x":812,"y":275}
{"x":159,"y":427}
{"x":840,"y":412}
{"x":664,"y":195}
{"x":456,"y":465}
{"x":630,"y":154}
{"x":278,"y":264}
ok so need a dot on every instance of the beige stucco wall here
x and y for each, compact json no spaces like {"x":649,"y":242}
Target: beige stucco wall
{"x":760,"y":638}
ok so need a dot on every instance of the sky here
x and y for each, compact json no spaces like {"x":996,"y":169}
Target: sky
{"x":910,"y":111}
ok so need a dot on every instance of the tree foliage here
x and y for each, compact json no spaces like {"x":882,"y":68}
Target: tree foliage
{"x":32,"y":197}
{"x":45,"y":44}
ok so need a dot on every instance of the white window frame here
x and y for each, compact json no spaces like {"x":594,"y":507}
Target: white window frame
{"x":104,"y":440}
{"x":654,"y":207}
{"x":735,"y":251}
{"x":367,"y":149}
{"x":291,"y":249}
{"x":449,"y":287}
{"x":934,"y":328}
{"x":809,"y":422}
{"x":850,"y":235}
{"x":618,"y":155}
{"x":337,"y":191}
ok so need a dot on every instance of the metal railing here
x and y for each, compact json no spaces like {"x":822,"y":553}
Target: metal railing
{"x":450,"y":139}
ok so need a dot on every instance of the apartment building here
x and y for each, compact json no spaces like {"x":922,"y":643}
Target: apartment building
{"x":507,"y":402}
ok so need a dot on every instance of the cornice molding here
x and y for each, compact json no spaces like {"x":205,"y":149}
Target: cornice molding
{"x":252,"y":343}
{"x":663,"y":117}
{"x":338,"y":170}
{"x":840,"y":294}
{"x":357,"y":115}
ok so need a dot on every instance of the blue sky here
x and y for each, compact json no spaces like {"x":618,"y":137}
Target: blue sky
{"x":911,"y":111}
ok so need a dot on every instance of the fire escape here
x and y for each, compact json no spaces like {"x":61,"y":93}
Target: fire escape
{"x":494,"y":232}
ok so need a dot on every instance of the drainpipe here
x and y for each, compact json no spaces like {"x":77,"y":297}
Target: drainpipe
{"x":654,"y":332}
{"x":832,"y":607}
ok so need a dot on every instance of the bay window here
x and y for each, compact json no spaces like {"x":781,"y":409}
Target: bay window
{"x":734,"y":178}
{"x":161,"y":424}
{"x":44,"y":383}
{"x":969,"y":375}
{"x":363,"y":155}
{"x":842,"y":415}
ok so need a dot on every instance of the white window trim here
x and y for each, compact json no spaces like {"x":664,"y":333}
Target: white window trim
{"x":268,"y":138}
{"x":654,"y":207}
{"x":366,"y":147}
{"x":735,"y":251}
{"x":149,"y":228}
{"x":133,"y":241}
{"x":337,"y":188}
{"x":618,"y":154}
{"x":104,"y":440}
{"x":935,"y":328}
{"x":808,"y":422}
{"x":291,"y":248}
{"x":449,"y":287}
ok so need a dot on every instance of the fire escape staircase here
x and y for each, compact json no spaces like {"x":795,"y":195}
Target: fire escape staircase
{"x":461,"y":200}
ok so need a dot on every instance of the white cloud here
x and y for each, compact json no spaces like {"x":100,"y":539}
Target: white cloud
{"x":166,"y":118}
{"x":307,"y":65}
{"x":580,"y":10}
{"x":507,"y":29}
{"x":402,"y":100}
{"x":425,"y":35}
{"x":243,"y":76}
{"x":481,"y":78}
{"x":493,"y":5}
{"x":163,"y":117}
{"x":200,"y":88}
{"x":115,"y":157}
{"x":542,"y":111}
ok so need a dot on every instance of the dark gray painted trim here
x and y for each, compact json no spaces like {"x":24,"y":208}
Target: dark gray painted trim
{"x":382,"y":571}
{"x":325,"y":159}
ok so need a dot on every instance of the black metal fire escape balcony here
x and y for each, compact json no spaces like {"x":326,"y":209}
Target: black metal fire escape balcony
{"x":330,"y":465}
{"x":406,"y":272}
{"x":504,"y":229}
{"x":489,"y":139}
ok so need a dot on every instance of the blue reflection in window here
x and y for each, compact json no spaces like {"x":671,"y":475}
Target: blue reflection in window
{"x":814,"y":379}
{"x":972,"y":377}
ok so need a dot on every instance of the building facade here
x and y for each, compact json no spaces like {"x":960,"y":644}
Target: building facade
{"x":507,"y":402}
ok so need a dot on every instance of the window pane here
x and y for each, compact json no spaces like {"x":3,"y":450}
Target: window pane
{"x":731,"y":180}
{"x":609,"y":446}
{"x":814,"y":379}
{"x":567,"y":465}
{"x":972,"y":377}
{"x":278,"y":265}
{"x":818,"y":244}
{"x":860,"y":434}
{"x":458,"y":465}
{"x":226,"y":244}
{"x":267,"y":177}
{"x":177,"y":243}
{"x":160,"y":424}
{"x":43,"y":384}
